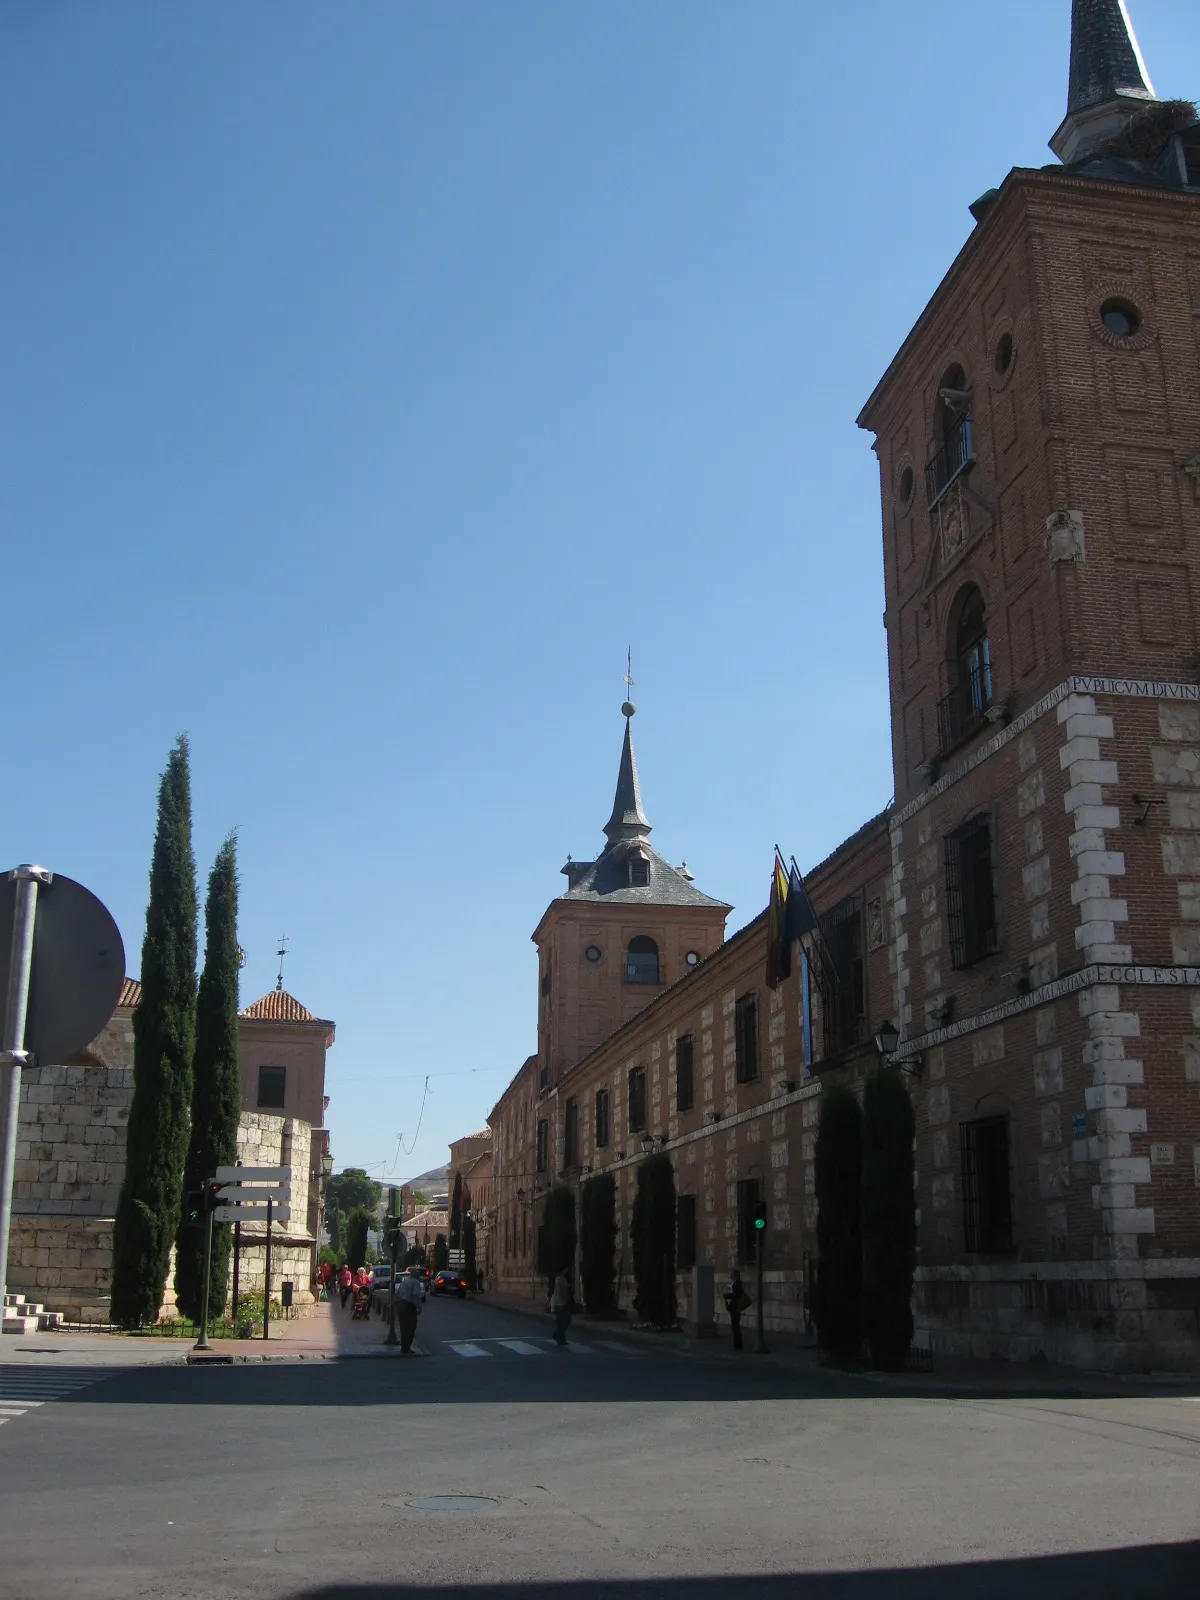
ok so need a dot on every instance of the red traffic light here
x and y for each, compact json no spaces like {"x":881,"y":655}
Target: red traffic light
{"x":212,"y":1194}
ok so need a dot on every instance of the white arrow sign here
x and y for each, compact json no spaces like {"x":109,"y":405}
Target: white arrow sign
{"x":259,"y":1191}
{"x":252,"y":1174}
{"x":252,"y":1214}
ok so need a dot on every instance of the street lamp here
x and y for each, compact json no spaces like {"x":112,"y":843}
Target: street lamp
{"x":887,"y":1039}
{"x":647,"y":1143}
{"x":520,"y":1197}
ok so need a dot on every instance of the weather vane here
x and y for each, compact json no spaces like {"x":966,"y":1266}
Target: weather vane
{"x":628,"y":708}
{"x":281,"y":952}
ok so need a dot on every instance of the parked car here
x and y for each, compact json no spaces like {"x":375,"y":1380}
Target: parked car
{"x":450,"y":1281}
{"x":381,"y":1286}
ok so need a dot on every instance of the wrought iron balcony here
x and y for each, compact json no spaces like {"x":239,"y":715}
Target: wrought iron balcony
{"x":951,"y":461}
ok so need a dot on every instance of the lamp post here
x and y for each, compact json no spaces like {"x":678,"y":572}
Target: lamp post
{"x":887,"y":1039}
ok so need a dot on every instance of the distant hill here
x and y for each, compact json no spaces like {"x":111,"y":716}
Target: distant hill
{"x":435,"y":1181}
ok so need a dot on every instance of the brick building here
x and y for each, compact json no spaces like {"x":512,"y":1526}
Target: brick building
{"x":1028,"y":911}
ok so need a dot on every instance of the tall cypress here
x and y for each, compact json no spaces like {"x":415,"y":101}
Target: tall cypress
{"x":216,"y":1087}
{"x":652,"y":1236}
{"x":889,"y":1217}
{"x":838,"y":1175}
{"x":164,"y":1031}
{"x":456,"y":1213}
{"x":598,"y":1243}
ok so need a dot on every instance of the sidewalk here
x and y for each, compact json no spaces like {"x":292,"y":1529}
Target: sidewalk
{"x":949,"y":1376}
{"x":329,"y":1334}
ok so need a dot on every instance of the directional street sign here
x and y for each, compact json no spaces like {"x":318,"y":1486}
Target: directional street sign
{"x":259,"y":1191}
{"x":252,"y":1174}
{"x":252,"y":1213}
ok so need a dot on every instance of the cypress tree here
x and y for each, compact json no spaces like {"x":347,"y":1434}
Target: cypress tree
{"x":556,"y":1235}
{"x":164,"y":1028}
{"x":216,"y":1087}
{"x":652,"y":1235}
{"x":889,"y":1220}
{"x":838,"y":1300}
{"x":441,"y":1253}
{"x":456,"y":1213}
{"x":470,"y":1260}
{"x":598,"y":1243}
{"x":358,"y":1225}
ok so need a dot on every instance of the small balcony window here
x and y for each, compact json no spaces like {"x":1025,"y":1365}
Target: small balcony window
{"x":603,"y":1120}
{"x":571,"y":1133}
{"x":745,"y":1033}
{"x":971,"y":893}
{"x":543,"y":1145}
{"x":637,"y":1099}
{"x":987,"y":1185}
{"x":272,"y":1083}
{"x":641,"y":961}
{"x":956,"y":438}
{"x":965,"y":709}
{"x":685,"y":1232}
{"x":685,"y":1091}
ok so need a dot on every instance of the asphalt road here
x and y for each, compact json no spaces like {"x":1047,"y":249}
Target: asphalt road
{"x":617,"y":1468}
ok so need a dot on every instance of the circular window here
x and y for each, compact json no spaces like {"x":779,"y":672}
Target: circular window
{"x":693,"y":958}
{"x":907,"y":484}
{"x":1004,"y":355}
{"x":1121,"y":317}
{"x":592,"y":953}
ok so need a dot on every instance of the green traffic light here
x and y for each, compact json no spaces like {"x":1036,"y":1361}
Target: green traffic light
{"x":760,"y":1222}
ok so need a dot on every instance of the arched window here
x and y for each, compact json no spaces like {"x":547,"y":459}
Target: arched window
{"x":641,"y":961}
{"x":969,"y":668}
{"x":954,"y":441}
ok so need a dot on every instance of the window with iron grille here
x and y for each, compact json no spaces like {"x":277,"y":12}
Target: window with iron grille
{"x":748,"y":1196}
{"x":571,"y":1133}
{"x":745,"y":1034}
{"x":637,"y":1099}
{"x":987,"y":1185}
{"x":685,"y":1231}
{"x":685,"y":1090}
{"x":971,"y":893}
{"x":603,"y":1120}
{"x":543,"y":1144}
{"x":272,"y":1082}
{"x":846,"y":1010}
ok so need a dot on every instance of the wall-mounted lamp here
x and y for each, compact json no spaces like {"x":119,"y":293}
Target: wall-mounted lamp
{"x":887,"y":1040}
{"x":520,"y":1197}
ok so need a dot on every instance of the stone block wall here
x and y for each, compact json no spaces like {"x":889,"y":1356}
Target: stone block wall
{"x":71,"y":1140}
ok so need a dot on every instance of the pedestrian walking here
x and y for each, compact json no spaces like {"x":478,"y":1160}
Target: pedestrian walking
{"x":736,"y":1301}
{"x":408,"y":1307}
{"x":560,"y":1304}
{"x":345,"y":1284}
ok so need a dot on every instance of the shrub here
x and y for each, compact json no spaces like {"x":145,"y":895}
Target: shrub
{"x":652,"y":1236}
{"x":598,"y":1243}
{"x":441,"y":1252}
{"x":889,"y":1221}
{"x":838,"y":1297}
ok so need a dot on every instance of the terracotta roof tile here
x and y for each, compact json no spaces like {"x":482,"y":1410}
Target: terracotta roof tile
{"x":131,"y":994}
{"x":280,"y":1006}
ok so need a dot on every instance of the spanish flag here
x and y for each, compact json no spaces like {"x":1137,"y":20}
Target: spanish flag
{"x":776,"y":918}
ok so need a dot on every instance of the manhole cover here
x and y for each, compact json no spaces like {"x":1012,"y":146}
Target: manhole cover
{"x":453,"y":1502}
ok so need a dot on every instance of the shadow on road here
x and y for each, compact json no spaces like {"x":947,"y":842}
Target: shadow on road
{"x":1155,"y":1572}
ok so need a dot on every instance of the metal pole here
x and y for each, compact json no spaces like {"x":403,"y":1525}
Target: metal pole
{"x":13,"y":1054}
{"x":267,"y":1279}
{"x":393,"y":1225}
{"x":761,"y":1241}
{"x":237,"y":1245}
{"x":202,"y":1341}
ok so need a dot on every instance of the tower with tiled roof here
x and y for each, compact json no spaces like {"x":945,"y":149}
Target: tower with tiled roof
{"x":628,"y":925}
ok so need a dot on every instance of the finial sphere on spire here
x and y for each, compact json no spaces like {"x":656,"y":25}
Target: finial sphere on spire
{"x":628,"y":709}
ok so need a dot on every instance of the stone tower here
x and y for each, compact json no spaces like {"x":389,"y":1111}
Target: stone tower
{"x":628,"y":925}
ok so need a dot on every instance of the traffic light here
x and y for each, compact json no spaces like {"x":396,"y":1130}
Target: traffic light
{"x":193,"y":1207}
{"x":760,"y":1215}
{"x":212,"y":1194}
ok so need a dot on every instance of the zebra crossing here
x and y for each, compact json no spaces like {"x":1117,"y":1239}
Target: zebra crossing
{"x":477,"y":1349}
{"x":25,"y":1388}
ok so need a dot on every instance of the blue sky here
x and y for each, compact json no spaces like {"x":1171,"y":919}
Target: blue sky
{"x":375,"y":375}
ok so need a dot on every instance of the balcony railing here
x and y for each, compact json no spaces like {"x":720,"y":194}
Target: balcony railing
{"x":963,"y":711}
{"x":951,"y":461}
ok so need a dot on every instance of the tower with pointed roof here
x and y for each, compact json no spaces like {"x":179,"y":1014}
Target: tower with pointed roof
{"x":628,"y":925}
{"x":1038,"y":436}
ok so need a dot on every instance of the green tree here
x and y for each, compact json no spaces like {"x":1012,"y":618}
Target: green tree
{"x":357,"y":1224}
{"x":652,"y":1237}
{"x":470,"y":1264}
{"x":556,"y":1235}
{"x":216,"y":1087}
{"x":889,"y":1218}
{"x":441,"y":1252}
{"x":598,"y":1243}
{"x":335,"y":1221}
{"x":838,"y":1298}
{"x":351,"y":1188}
{"x":456,"y":1213}
{"x":164,"y":1032}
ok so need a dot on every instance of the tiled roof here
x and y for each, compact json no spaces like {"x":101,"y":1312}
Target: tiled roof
{"x":1105,"y":59}
{"x":280,"y":1006}
{"x":131,"y":994}
{"x":607,"y":879}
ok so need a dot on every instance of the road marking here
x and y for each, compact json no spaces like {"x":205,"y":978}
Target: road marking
{"x":464,"y":1349}
{"x":24,"y":1389}
{"x":522,"y":1347}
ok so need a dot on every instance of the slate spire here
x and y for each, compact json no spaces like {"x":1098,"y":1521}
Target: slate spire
{"x":1105,"y":59}
{"x":1108,"y":78}
{"x":628,"y":820}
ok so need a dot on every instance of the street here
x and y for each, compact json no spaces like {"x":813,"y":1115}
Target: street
{"x":618,"y":1467}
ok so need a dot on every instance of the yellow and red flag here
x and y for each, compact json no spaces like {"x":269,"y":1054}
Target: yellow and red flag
{"x":776,"y":918}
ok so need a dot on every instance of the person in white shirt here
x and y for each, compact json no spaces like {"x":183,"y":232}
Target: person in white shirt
{"x":408,"y":1307}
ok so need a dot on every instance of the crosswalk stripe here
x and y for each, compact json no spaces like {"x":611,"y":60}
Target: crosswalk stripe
{"x":522,"y":1347}
{"x":25,"y":1389}
{"x":464,"y":1349}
